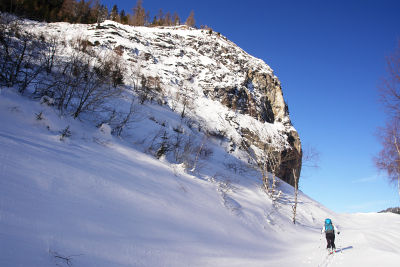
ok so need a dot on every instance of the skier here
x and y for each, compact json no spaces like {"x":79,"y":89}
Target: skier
{"x":330,"y":230}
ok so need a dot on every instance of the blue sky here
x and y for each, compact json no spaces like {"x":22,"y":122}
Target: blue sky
{"x":329,"y":57}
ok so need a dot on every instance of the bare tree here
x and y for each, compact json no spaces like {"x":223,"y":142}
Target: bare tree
{"x":388,"y":159}
{"x":143,"y":90}
{"x":189,"y":149}
{"x":390,"y":87}
{"x":268,"y":163}
{"x":310,"y":158}
{"x":97,"y":85}
{"x":178,"y":143}
{"x":20,"y":54}
{"x":82,"y":82}
{"x":273,"y":159}
{"x":202,"y":150}
{"x":183,"y":97}
{"x":164,"y":146}
{"x":64,"y":82}
{"x":141,"y":84}
{"x":135,"y":74}
{"x":139,"y":17}
{"x":126,"y":119}
{"x":296,"y":191}
{"x":50,"y":52}
{"x":11,"y":50}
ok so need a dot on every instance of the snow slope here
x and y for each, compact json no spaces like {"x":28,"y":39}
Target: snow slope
{"x":94,"y":200}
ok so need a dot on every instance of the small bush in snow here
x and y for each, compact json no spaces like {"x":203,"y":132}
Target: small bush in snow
{"x":123,"y":120}
{"x":164,"y":146}
{"x":205,"y":152}
{"x":81,"y":83}
{"x":62,"y":260}
{"x":65,"y":133}
{"x":81,"y":44}
{"x":39,"y":116}
{"x":220,"y":135}
{"x":149,"y":89}
{"x":47,"y":100}
{"x":178,"y":129}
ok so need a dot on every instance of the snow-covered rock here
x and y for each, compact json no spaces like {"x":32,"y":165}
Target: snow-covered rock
{"x":233,"y":95}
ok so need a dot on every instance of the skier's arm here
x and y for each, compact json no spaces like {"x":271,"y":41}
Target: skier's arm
{"x":336,"y":229}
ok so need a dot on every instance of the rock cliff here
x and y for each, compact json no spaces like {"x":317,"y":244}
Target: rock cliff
{"x":196,"y":71}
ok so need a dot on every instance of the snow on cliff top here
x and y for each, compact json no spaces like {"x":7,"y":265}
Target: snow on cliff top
{"x":123,"y":35}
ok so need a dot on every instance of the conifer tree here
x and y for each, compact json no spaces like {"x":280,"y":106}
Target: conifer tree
{"x":103,"y":14}
{"x":88,"y":11}
{"x":167,"y":19}
{"x":190,"y":21}
{"x":95,"y":11}
{"x":175,"y":19}
{"x":83,"y":12}
{"x":154,"y":23}
{"x":114,"y":13}
{"x":67,"y":11}
{"x":123,"y":17}
{"x":160,"y":20}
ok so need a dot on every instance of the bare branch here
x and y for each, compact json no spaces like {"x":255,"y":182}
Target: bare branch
{"x":388,"y":159}
{"x":311,"y":157}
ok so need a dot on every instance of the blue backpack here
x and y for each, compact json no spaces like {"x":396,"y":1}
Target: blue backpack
{"x":328,"y":226}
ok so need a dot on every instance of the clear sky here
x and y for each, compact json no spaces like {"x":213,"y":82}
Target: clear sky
{"x":329,"y":56}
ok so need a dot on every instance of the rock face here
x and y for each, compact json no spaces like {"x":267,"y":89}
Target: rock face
{"x":205,"y":69}
{"x":260,"y":96}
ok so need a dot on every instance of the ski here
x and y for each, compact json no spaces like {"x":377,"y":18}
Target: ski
{"x":334,"y":251}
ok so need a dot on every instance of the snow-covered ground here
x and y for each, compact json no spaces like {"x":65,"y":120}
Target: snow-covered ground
{"x":95,"y":200}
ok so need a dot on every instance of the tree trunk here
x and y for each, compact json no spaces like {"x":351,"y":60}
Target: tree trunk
{"x":296,"y":190}
{"x":398,"y":164}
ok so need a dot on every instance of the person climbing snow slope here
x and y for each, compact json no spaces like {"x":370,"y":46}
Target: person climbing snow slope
{"x":330,"y":229}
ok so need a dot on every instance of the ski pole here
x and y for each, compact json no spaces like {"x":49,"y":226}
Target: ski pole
{"x":320,"y":240}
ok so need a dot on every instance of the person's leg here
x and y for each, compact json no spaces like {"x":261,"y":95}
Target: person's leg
{"x":333,"y":242}
{"x":328,"y":241}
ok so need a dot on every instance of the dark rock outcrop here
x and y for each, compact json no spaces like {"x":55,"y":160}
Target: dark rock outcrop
{"x":260,"y":96}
